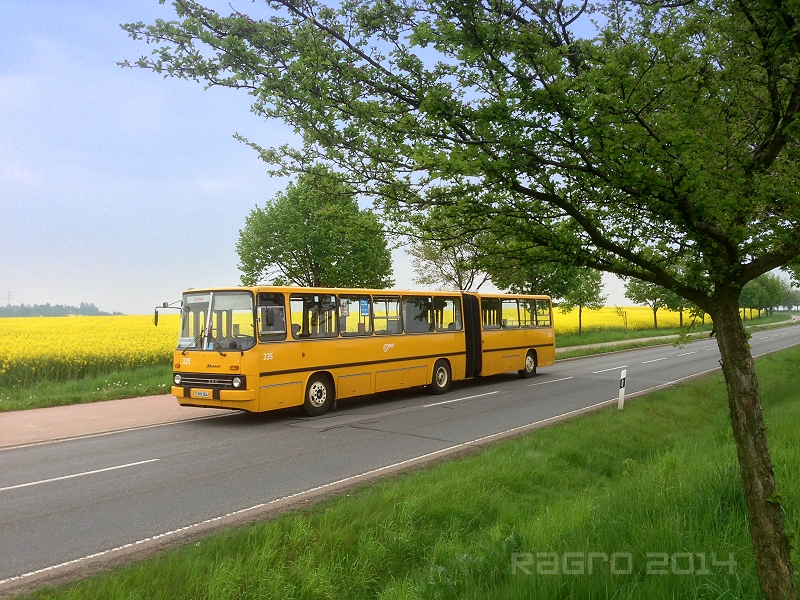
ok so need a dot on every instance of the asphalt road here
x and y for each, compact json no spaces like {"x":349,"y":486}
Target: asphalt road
{"x":67,"y":505}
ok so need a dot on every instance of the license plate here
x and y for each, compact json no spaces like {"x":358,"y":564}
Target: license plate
{"x":200,"y":394}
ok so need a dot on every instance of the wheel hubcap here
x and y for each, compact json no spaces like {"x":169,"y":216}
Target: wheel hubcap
{"x":530,"y":365}
{"x":441,"y":377}
{"x":317,"y":394}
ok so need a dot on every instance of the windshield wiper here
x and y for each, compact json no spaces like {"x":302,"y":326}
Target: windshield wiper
{"x":197,"y":338}
{"x":216,"y":345}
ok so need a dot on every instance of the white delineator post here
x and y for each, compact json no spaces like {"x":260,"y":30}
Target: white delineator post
{"x":621,"y":401}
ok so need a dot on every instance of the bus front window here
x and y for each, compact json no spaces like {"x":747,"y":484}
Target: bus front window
{"x":217,"y":321}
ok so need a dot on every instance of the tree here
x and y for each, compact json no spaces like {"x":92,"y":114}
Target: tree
{"x":585,"y":293}
{"x":445,"y":265}
{"x":764,"y":292}
{"x":523,"y":270}
{"x":790,"y":295}
{"x":667,"y":137}
{"x":648,"y":294}
{"x":315,"y":235}
{"x":441,"y":256}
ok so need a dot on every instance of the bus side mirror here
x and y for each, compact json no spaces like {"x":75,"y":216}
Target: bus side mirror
{"x":155,"y":317}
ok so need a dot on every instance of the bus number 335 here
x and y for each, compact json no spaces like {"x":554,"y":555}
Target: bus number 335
{"x":267,"y":355}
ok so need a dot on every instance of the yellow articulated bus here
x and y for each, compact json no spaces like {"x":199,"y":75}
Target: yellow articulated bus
{"x":265,"y":348}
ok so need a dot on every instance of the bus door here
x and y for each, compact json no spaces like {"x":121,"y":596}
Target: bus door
{"x":472,"y":333}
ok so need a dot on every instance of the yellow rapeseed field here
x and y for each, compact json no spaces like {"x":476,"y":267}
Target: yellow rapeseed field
{"x":639,"y":317}
{"x":62,"y":348}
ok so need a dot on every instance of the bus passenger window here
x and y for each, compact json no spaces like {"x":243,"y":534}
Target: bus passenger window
{"x":510,"y":313}
{"x":314,"y":315}
{"x":354,"y":315}
{"x":386,"y":315}
{"x":271,"y":317}
{"x":543,"y":313}
{"x":417,"y":316}
{"x":527,"y":310}
{"x":447,"y":314}
{"x":490,"y":313}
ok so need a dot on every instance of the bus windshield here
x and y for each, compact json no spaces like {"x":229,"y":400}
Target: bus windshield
{"x":217,"y":321}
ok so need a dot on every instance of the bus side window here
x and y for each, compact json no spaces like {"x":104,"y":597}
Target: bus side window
{"x":510,"y":313}
{"x":386,"y":315}
{"x":314,"y":315}
{"x":490,"y":312}
{"x":527,"y":312}
{"x":271,"y":317}
{"x":354,"y":315}
{"x":543,"y":313}
{"x":417,"y":314}
{"x":447,"y":313}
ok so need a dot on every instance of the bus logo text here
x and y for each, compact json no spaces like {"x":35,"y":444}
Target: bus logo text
{"x":387,"y":347}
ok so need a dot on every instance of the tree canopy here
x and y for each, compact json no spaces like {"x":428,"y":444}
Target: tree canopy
{"x":586,"y":292}
{"x":660,"y":145}
{"x":315,"y":235}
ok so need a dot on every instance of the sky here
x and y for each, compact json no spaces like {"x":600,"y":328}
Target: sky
{"x":118,"y":187}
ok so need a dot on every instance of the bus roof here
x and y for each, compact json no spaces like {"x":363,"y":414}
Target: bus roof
{"x":365,"y":291}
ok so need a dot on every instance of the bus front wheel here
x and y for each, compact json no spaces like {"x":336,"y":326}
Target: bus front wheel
{"x":319,"y":396}
{"x":441,"y":378}
{"x":530,"y":366}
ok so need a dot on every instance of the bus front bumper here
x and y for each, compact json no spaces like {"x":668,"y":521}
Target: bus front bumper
{"x":212,"y":397}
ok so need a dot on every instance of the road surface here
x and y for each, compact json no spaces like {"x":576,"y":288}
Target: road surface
{"x":68,"y":506}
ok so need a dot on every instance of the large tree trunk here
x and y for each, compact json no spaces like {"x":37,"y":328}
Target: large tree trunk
{"x":770,"y":544}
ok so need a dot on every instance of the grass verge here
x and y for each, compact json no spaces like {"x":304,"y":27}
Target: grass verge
{"x":144,"y":381}
{"x":644,"y":503}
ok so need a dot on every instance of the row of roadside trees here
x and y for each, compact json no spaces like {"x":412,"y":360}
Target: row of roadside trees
{"x":314,"y":234}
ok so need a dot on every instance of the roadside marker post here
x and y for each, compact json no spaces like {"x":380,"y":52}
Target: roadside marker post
{"x":621,"y":400}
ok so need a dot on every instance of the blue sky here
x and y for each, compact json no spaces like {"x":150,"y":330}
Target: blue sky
{"x":119,"y":187}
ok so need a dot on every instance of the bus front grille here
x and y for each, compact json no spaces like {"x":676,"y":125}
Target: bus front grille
{"x":222,"y":382}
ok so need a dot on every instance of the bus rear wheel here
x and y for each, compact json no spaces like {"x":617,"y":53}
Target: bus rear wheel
{"x":530,"y":366}
{"x":319,"y":396}
{"x":441,"y":377}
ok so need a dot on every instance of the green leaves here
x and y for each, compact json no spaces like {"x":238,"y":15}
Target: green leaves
{"x":665,"y":136}
{"x":315,"y":235}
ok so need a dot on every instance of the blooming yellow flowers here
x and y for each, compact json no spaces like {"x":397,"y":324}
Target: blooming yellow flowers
{"x":609,"y":317}
{"x":62,"y":348}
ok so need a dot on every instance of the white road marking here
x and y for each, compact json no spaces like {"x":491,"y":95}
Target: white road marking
{"x":460,"y":399}
{"x":551,"y":381}
{"x":644,"y":362}
{"x":611,"y":369}
{"x":22,"y":485}
{"x":303,"y":493}
{"x":346,"y":479}
{"x":688,"y":353}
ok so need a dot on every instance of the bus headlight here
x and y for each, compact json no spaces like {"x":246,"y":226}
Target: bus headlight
{"x":237,"y":382}
{"x":177,"y":378}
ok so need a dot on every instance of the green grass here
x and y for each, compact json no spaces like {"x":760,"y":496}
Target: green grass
{"x":658,"y":478}
{"x":145,"y":381}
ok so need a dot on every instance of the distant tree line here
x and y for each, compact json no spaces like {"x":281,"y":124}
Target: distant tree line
{"x":56,"y":310}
